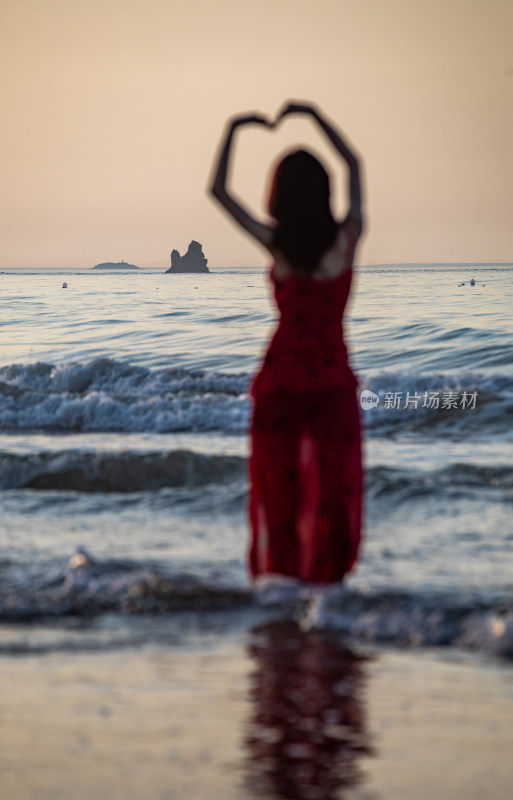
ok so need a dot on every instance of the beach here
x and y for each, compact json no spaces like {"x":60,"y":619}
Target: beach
{"x":166,"y":722}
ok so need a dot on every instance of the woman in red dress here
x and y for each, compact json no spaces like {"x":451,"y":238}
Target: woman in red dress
{"x":305,"y":466}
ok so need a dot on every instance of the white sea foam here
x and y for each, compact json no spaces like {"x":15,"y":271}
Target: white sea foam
{"x":107,"y":395}
{"x":87,"y":586}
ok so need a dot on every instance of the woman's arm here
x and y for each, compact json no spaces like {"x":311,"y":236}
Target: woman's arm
{"x":263,"y":233}
{"x":341,"y":146}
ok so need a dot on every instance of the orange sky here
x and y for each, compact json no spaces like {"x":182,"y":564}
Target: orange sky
{"x":112,"y":111}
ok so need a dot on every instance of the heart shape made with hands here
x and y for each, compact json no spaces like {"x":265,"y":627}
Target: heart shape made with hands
{"x":272,"y":124}
{"x":296,"y":107}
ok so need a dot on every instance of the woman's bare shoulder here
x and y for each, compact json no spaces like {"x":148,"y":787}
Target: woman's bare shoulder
{"x":339,"y":257}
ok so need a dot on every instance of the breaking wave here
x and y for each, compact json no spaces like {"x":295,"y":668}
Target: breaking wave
{"x":439,"y":404}
{"x":88,"y":588}
{"x":108,"y":395}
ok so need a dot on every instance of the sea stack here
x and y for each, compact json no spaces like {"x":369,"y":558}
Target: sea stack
{"x":193,"y":260}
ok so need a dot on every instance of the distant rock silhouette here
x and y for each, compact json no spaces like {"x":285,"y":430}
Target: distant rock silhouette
{"x":193,"y":260}
{"x":115,"y":265}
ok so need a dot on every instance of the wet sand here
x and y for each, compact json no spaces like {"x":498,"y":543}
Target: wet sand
{"x":270,"y":714}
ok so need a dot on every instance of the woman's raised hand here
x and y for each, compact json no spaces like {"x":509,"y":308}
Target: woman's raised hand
{"x":250,"y":119}
{"x":255,"y":118}
{"x":262,"y":233}
{"x":294,"y":107}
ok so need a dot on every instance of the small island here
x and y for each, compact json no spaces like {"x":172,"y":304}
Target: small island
{"x":193,"y":260}
{"x":115,"y":265}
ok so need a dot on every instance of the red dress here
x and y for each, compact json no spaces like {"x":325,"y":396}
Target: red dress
{"x":305,"y":466}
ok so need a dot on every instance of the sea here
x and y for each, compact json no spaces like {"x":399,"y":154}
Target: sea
{"x":124,"y":416}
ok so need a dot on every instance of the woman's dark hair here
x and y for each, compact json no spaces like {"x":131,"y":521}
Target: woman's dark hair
{"x":300,"y":204}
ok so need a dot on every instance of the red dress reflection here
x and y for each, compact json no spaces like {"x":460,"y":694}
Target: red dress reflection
{"x":306,"y":734}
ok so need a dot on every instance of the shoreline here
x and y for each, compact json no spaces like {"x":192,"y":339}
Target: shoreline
{"x":269,"y":712}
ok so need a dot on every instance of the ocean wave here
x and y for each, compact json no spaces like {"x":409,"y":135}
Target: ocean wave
{"x":91,"y":471}
{"x":439,"y":404}
{"x":401,"y":618}
{"x":457,"y":479}
{"x":108,"y":395}
{"x":85,"y":471}
{"x":88,"y":588}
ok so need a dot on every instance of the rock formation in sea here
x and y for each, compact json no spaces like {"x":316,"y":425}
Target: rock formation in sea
{"x":193,"y":260}
{"x":115,"y":265}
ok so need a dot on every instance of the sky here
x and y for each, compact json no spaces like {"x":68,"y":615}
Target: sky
{"x":112,"y":111}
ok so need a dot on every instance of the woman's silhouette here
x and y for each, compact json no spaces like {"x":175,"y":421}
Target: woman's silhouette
{"x":305,"y":467}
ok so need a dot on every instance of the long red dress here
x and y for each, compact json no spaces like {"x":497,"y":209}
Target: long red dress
{"x":305,"y":466}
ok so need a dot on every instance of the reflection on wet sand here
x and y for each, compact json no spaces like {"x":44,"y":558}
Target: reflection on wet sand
{"x":306,"y":733}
